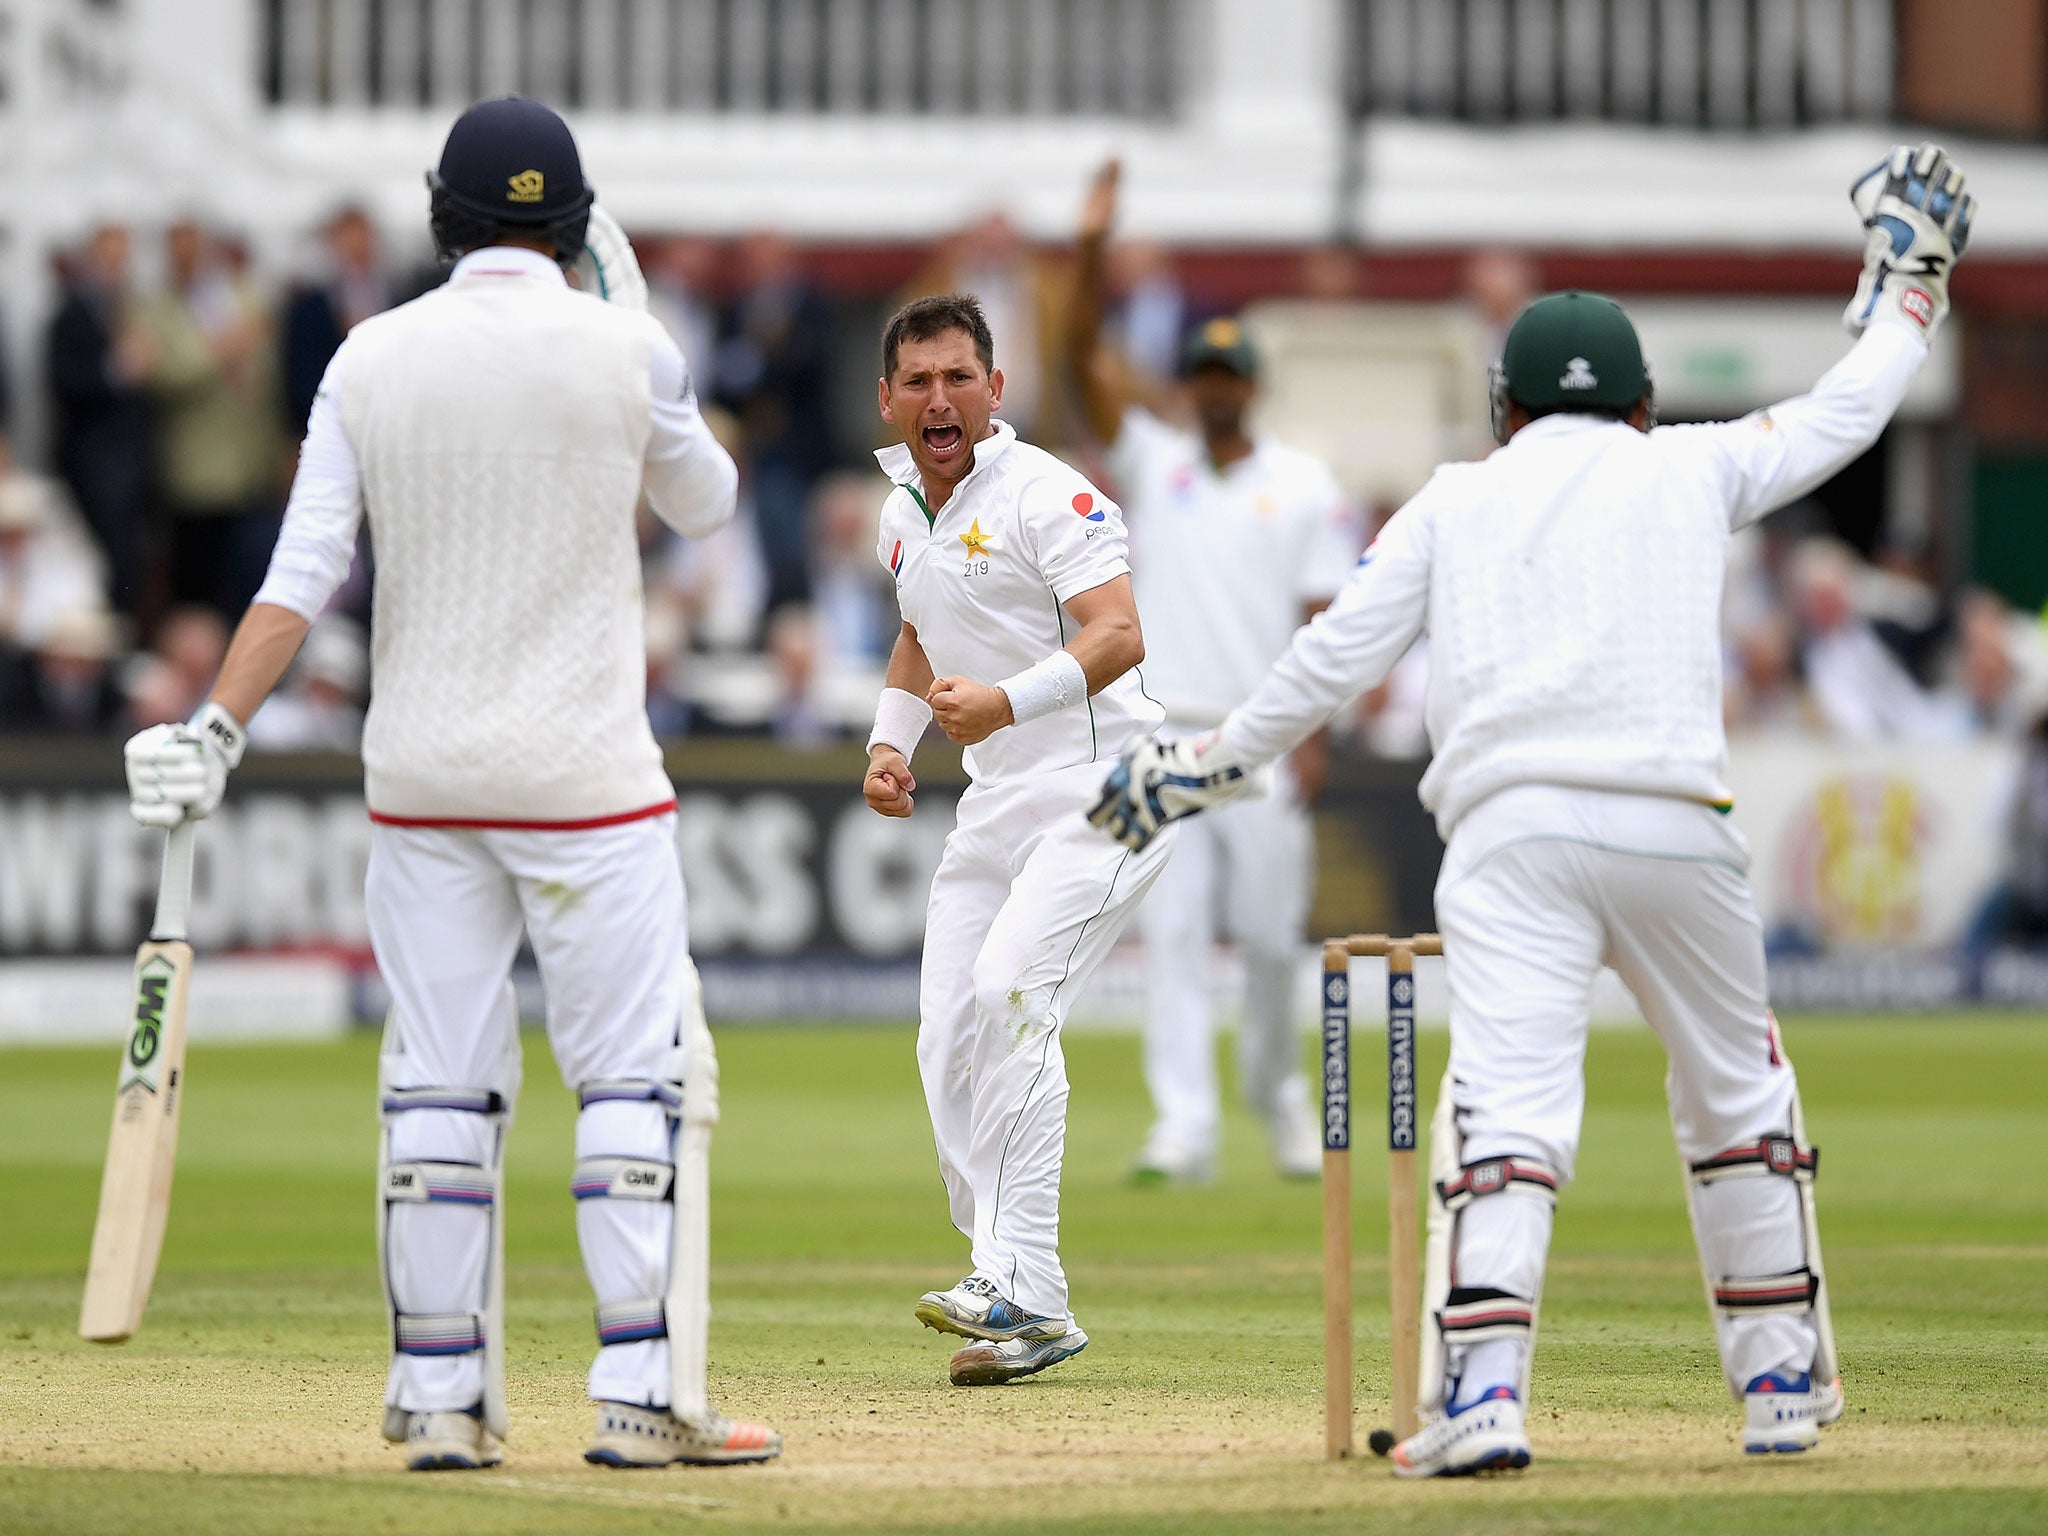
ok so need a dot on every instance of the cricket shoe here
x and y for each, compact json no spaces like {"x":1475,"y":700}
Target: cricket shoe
{"x":975,"y":1309}
{"x":452,"y":1440}
{"x":1296,"y":1138}
{"x":1167,"y":1161}
{"x":1784,"y":1413}
{"x":991,"y":1365}
{"x":631,"y":1436}
{"x":1483,"y":1436}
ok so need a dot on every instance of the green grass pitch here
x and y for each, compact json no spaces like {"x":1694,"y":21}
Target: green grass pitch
{"x":249,"y":1402}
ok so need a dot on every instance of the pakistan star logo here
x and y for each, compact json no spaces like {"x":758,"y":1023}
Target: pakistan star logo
{"x":977,"y":542}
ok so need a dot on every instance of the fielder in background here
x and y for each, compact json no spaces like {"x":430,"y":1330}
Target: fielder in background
{"x":1570,"y":585}
{"x":499,"y":432}
{"x":1019,"y":634}
{"x":1235,"y":541}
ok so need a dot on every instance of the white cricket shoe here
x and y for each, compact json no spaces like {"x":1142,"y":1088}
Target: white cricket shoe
{"x":1486,"y":1436}
{"x":1783,"y":1414}
{"x":1167,"y":1160}
{"x":1296,"y":1137}
{"x":975,"y":1309}
{"x":631,"y":1436}
{"x":992,"y":1365}
{"x":450,"y":1441}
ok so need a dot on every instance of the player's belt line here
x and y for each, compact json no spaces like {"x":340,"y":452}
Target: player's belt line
{"x":1598,"y":847}
{"x":474,"y":824}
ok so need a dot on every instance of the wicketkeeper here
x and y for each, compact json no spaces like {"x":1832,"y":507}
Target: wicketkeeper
{"x":1570,"y":585}
{"x":498,"y":433}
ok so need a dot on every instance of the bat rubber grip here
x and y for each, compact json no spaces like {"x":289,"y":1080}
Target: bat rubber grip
{"x":174,"y":890}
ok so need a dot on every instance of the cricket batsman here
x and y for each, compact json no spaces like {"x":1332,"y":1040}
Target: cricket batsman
{"x":498,"y":433}
{"x":1020,"y":636}
{"x":1570,"y":585}
{"x":1237,"y":539}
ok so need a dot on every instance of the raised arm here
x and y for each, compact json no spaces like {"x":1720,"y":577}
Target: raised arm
{"x":690,"y":479}
{"x":1916,"y":221}
{"x":1102,"y":398}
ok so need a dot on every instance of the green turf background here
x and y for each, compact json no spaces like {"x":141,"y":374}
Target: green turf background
{"x":1203,"y":1303}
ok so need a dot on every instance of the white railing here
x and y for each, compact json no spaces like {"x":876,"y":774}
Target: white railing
{"x":978,"y":58}
{"x":1728,"y":64}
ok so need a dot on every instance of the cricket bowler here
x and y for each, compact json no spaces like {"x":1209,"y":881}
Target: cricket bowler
{"x":498,"y":433}
{"x":1570,"y":585}
{"x":1236,"y":540}
{"x":1020,"y":636}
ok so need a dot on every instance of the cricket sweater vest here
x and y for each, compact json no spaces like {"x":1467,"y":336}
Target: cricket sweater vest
{"x":501,"y":424}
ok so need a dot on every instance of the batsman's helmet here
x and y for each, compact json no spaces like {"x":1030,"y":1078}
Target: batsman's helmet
{"x":510,"y":165}
{"x":1569,"y":352}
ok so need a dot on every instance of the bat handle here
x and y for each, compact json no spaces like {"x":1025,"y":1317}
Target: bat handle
{"x":174,"y":890}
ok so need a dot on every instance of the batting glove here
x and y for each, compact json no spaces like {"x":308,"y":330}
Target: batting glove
{"x":1918,"y":221}
{"x":608,"y":267}
{"x":179,"y":772}
{"x":1154,"y":783}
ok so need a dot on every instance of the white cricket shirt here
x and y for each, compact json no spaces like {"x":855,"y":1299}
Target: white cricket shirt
{"x":498,"y":432}
{"x":1224,"y":561}
{"x":1570,"y":585}
{"x":984,"y":584}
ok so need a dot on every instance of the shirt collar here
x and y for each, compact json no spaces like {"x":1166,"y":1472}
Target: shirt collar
{"x":507,"y":261}
{"x":900,"y":467}
{"x":1565,"y":424}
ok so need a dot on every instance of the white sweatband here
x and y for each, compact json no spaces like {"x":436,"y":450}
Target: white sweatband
{"x":220,"y":730}
{"x":900,"y":719}
{"x":1056,"y":683}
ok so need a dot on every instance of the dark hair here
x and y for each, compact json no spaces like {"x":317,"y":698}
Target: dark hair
{"x":930,"y":318}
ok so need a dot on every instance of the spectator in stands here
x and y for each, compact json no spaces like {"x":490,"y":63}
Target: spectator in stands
{"x":1151,"y":310}
{"x":49,"y":566}
{"x":857,"y":618}
{"x":1762,"y":691}
{"x":66,"y":686}
{"x":94,"y":364}
{"x":682,"y":279}
{"x":1860,"y":690}
{"x":169,"y":682}
{"x":354,"y":286}
{"x":320,"y":706}
{"x":211,"y":366}
{"x":772,"y":372}
{"x":2001,"y":666}
{"x":1022,"y":293}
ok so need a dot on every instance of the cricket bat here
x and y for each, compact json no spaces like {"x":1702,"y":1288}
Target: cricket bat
{"x":135,"y":1190}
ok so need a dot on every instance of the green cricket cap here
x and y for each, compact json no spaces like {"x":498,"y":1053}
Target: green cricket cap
{"x":1568,"y":350}
{"x":1220,"y":343}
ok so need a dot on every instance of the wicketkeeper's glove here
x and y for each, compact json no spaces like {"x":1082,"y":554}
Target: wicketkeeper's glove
{"x":1154,"y":783}
{"x":1918,"y":221}
{"x":179,"y":772}
{"x":608,"y":267}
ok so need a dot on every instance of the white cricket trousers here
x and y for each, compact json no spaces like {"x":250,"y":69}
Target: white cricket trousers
{"x":605,"y":911}
{"x":1541,"y":886}
{"x":1252,"y":863}
{"x":1027,"y":900}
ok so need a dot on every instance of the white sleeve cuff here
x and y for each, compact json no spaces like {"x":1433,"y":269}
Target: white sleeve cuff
{"x":1056,"y":683}
{"x":900,"y":719}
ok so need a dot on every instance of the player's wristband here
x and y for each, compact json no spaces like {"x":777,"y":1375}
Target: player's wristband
{"x":221,"y":731}
{"x":900,"y":719}
{"x":1056,"y":683}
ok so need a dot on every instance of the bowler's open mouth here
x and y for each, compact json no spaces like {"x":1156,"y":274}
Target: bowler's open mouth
{"x":943,"y":442}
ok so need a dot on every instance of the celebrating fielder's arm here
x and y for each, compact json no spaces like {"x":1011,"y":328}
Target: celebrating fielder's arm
{"x":1020,"y":635}
{"x":498,"y":432}
{"x":1236,"y":539}
{"x":1571,"y":588}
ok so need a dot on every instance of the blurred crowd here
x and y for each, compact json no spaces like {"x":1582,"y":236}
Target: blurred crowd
{"x":175,"y":405}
